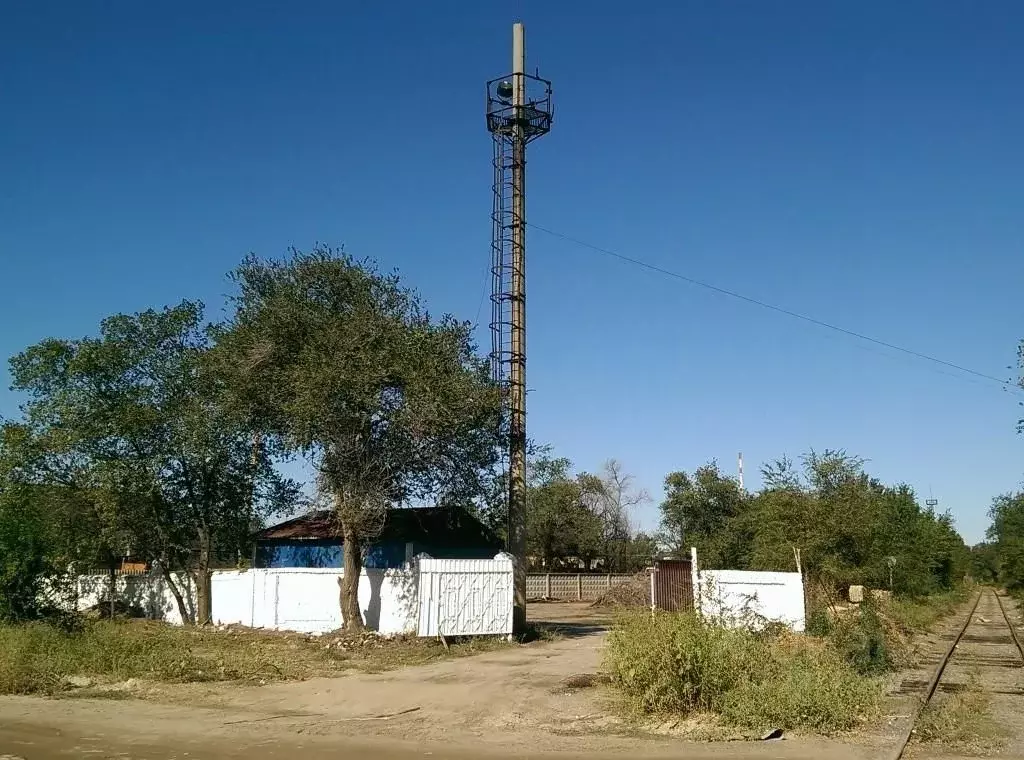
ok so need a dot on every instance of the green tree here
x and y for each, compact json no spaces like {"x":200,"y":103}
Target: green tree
{"x":26,"y":552}
{"x":1006,"y":532}
{"x":48,"y":526}
{"x":135,"y":418}
{"x":490,"y":500}
{"x":823,"y":510}
{"x":640,"y":552}
{"x":782,"y":521}
{"x":343,"y":364}
{"x":845,"y":526}
{"x":985,"y":562}
{"x":698,"y":511}
{"x":559,"y":527}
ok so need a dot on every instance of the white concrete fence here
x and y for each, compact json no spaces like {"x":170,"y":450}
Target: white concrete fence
{"x":728,"y":596}
{"x":428,"y":597}
{"x":459,"y":597}
{"x":749,"y":597}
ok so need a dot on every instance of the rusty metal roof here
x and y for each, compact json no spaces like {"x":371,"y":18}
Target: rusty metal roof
{"x":314,"y":525}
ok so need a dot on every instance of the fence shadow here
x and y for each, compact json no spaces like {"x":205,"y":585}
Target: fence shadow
{"x":540,"y":630}
{"x":136,"y":596}
{"x":393,"y":591}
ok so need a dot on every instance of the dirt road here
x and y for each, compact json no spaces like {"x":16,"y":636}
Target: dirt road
{"x":522,"y":702}
{"x":98,"y":738}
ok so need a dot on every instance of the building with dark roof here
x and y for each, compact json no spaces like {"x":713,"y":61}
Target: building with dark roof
{"x":314,"y":539}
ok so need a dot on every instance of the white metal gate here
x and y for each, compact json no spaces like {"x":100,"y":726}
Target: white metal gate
{"x":465,"y":597}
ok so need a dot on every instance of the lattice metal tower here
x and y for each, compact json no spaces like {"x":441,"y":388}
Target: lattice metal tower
{"x":518,"y":111}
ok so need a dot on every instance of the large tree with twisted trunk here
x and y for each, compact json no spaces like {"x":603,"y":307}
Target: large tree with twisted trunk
{"x":341,"y":363}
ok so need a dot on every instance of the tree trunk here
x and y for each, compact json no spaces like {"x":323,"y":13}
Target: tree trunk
{"x":186,"y":616}
{"x":204,"y":581}
{"x":353,"y":566}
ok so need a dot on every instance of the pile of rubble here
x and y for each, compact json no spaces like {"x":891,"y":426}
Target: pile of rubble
{"x":636,"y":592}
{"x":339,"y":640}
{"x":353,"y":642}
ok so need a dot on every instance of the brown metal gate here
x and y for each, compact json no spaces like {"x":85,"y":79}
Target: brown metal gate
{"x":673,"y":585}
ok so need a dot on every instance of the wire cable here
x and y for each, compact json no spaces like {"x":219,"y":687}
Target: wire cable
{"x":1007,"y":385}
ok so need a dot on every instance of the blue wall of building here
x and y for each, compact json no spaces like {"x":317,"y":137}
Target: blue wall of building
{"x":325,"y":554}
{"x":382,"y":555}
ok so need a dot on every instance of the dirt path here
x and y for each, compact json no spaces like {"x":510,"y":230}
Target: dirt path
{"x":104,"y":730}
{"x":481,"y":699}
{"x":521,"y":702}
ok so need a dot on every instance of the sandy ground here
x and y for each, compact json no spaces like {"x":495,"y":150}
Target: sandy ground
{"x":516,"y":702}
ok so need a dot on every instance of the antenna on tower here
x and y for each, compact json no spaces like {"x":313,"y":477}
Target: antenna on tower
{"x":518,"y":112}
{"x":739,"y":462}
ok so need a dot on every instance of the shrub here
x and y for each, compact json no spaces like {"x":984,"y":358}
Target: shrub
{"x":820,"y":622}
{"x":810,"y":687}
{"x":674,"y":663}
{"x":869,"y":641}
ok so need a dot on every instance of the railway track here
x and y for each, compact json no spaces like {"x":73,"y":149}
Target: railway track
{"x":985,"y":646}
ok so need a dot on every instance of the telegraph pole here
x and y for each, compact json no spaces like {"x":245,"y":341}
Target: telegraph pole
{"x":518,"y":111}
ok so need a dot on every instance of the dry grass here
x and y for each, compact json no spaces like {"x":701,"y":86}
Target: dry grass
{"x":962,"y":721}
{"x":38,"y":658}
{"x":920,"y":615}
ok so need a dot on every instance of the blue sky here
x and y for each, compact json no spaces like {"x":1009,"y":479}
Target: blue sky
{"x":860,"y":163}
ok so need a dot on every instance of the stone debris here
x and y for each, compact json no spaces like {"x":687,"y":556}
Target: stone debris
{"x":353,"y":641}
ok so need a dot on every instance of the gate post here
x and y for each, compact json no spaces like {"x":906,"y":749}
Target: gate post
{"x":547,"y":594}
{"x":579,"y":586}
{"x":695,"y":575}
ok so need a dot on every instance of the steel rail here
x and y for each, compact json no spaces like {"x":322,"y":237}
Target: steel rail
{"x":933,"y":683}
{"x":1009,"y":624}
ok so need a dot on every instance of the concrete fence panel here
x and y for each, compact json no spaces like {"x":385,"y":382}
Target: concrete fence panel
{"x":745,"y":597}
{"x":581,"y":587}
{"x":309,"y":599}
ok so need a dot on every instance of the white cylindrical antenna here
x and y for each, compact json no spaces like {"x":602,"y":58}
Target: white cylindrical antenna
{"x":740,"y":462}
{"x":518,"y":64}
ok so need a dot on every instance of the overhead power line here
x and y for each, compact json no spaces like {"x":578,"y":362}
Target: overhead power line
{"x":1005,"y":383}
